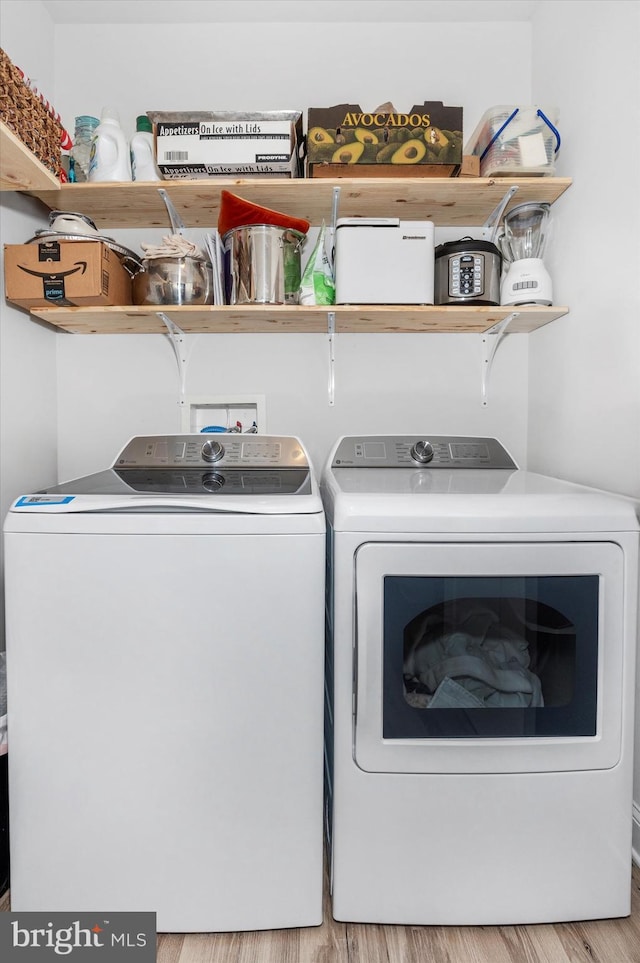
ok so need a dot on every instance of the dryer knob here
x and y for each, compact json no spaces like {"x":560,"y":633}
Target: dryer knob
{"x":422,"y":452}
{"x":212,"y":451}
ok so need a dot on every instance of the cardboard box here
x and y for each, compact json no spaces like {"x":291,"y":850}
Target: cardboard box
{"x":199,"y":144}
{"x":51,"y":272}
{"x":350,"y":141}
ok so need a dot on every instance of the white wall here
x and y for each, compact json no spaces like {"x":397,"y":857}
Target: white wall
{"x":584,"y":371}
{"x":28,"y":416}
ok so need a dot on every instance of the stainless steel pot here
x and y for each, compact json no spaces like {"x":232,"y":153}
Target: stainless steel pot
{"x":467,"y":272}
{"x":262,"y":264}
{"x":174,"y":280}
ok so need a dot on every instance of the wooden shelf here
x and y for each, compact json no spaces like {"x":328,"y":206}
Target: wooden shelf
{"x":458,"y":201}
{"x":444,"y":200}
{"x":291,"y":319}
{"x":20,"y":169}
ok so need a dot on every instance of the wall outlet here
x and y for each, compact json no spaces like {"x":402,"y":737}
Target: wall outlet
{"x":224,"y":411}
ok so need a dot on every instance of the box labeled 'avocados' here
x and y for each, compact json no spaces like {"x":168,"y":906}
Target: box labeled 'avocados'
{"x":345,"y":136}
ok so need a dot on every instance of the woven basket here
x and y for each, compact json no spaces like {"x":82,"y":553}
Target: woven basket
{"x":24,"y":113}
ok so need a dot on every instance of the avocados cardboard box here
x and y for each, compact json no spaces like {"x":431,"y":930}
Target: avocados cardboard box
{"x":200,"y":144}
{"x":347,"y":140}
{"x":64,"y":273}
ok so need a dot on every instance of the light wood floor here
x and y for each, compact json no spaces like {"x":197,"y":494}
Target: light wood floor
{"x":601,"y":941}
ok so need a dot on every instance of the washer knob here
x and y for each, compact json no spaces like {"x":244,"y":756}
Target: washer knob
{"x":212,"y":481}
{"x":422,"y":452}
{"x":212,"y":451}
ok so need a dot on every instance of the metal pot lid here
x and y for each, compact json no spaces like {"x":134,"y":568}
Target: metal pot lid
{"x":129,"y":259}
{"x":466,"y":245}
{"x":85,"y":224}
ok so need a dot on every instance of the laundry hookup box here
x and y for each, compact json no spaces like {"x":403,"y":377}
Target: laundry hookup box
{"x":47,"y":273}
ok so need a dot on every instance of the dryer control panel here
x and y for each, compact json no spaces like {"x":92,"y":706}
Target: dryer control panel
{"x":411,"y":451}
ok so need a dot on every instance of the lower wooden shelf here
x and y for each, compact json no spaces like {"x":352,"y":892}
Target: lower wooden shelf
{"x":294,"y":319}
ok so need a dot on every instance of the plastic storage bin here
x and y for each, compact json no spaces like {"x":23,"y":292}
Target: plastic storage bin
{"x":512,"y":141}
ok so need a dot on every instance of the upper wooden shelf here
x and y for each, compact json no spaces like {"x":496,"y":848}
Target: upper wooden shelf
{"x":445,"y":201}
{"x":291,"y":319}
{"x":20,"y":170}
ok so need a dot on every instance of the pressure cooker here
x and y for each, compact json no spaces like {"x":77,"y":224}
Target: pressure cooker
{"x":467,"y":272}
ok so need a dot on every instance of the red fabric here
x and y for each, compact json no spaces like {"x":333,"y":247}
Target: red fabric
{"x":236,"y":212}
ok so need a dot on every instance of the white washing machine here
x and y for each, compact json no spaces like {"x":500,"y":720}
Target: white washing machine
{"x":165,"y":644}
{"x":480,"y":686}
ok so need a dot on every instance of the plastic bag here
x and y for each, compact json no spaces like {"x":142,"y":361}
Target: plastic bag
{"x":317,"y":285}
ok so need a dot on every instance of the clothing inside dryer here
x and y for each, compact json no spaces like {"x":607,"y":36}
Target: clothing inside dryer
{"x":480,"y":652}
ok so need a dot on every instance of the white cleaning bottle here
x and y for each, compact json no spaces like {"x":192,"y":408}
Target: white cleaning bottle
{"x":143,"y":162}
{"x":110,"y":160}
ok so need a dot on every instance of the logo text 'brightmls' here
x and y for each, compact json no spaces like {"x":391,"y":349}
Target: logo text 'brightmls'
{"x":45,"y":936}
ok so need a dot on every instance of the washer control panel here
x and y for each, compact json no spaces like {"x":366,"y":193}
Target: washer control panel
{"x":230,"y":450}
{"x":428,"y":451}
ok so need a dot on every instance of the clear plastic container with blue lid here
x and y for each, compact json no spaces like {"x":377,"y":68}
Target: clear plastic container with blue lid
{"x":512,"y":141}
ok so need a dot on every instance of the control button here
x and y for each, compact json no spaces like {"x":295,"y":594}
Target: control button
{"x":422,"y":452}
{"x":212,"y":451}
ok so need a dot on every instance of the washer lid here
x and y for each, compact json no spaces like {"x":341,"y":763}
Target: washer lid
{"x":227,"y":472}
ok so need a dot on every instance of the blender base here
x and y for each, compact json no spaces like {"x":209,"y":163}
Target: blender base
{"x":526,"y":282}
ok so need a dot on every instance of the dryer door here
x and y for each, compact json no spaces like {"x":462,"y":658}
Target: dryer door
{"x":497,"y":657}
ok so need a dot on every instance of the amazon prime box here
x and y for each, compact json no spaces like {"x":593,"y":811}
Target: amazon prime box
{"x":64,"y":273}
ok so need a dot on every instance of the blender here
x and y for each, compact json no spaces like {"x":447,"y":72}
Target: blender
{"x":526,"y":280}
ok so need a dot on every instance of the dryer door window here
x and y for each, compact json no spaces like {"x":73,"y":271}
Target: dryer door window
{"x":500,"y":656}
{"x":488,"y":658}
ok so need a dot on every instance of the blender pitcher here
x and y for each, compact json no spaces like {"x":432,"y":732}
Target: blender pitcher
{"x":527,"y":280}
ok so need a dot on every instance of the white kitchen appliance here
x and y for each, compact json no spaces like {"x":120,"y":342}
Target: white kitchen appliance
{"x":480,"y":687}
{"x":165,"y":647}
{"x":383,"y":260}
{"x":526,"y":281}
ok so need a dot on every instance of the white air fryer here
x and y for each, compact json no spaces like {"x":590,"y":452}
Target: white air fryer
{"x":527,"y":280}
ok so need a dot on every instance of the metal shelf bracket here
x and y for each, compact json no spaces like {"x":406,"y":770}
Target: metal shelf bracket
{"x":177,"y":339}
{"x":491,"y":340}
{"x":331,"y":331}
{"x":334,"y":211}
{"x":331,"y":315}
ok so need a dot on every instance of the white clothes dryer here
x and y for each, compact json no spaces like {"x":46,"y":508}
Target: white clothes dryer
{"x":480,"y":682}
{"x":165,"y":648}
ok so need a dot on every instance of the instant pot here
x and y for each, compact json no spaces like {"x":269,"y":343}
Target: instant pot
{"x":467,"y":272}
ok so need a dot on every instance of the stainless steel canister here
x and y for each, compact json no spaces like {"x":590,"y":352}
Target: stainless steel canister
{"x":262,"y":264}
